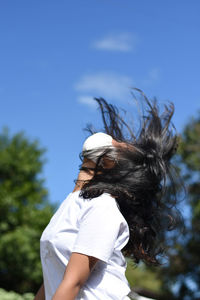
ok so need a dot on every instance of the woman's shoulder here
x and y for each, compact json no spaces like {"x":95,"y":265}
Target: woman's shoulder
{"x":105,"y":203}
{"x":104,"y":200}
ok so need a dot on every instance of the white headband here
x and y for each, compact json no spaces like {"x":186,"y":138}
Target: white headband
{"x":95,"y":141}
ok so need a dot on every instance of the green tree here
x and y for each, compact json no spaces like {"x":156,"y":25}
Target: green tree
{"x":143,"y":281}
{"x":184,"y":265}
{"x":5,"y":295}
{"x":24,"y":212}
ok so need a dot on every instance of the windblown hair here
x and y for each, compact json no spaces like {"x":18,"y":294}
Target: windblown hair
{"x":138,"y":177}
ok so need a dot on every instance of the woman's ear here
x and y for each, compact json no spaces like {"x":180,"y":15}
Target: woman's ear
{"x":108,"y":163}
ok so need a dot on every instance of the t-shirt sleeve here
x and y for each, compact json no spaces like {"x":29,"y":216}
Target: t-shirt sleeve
{"x":99,"y":229}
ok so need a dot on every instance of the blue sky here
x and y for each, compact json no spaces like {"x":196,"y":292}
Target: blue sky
{"x":56,"y":55}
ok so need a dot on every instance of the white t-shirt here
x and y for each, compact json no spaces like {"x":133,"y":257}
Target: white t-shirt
{"x":94,"y":227}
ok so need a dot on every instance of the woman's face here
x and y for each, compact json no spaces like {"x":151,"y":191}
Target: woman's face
{"x":107,"y":162}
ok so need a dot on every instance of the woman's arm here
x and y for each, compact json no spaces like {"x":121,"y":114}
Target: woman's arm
{"x":40,"y":294}
{"x":77,"y":272}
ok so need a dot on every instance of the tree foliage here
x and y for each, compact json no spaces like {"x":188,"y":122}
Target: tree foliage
{"x":142,"y":277}
{"x":24,"y":212}
{"x":184,"y":266}
{"x":5,"y":295}
{"x":180,"y":276}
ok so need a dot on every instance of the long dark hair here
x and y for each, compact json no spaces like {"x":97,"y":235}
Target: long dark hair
{"x":139,"y":176}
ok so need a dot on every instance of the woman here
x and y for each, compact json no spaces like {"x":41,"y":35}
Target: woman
{"x":117,"y":203}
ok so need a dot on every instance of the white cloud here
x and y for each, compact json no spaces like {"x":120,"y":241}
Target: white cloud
{"x":123,"y":42}
{"x":109,"y":85}
{"x":87,"y":100}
